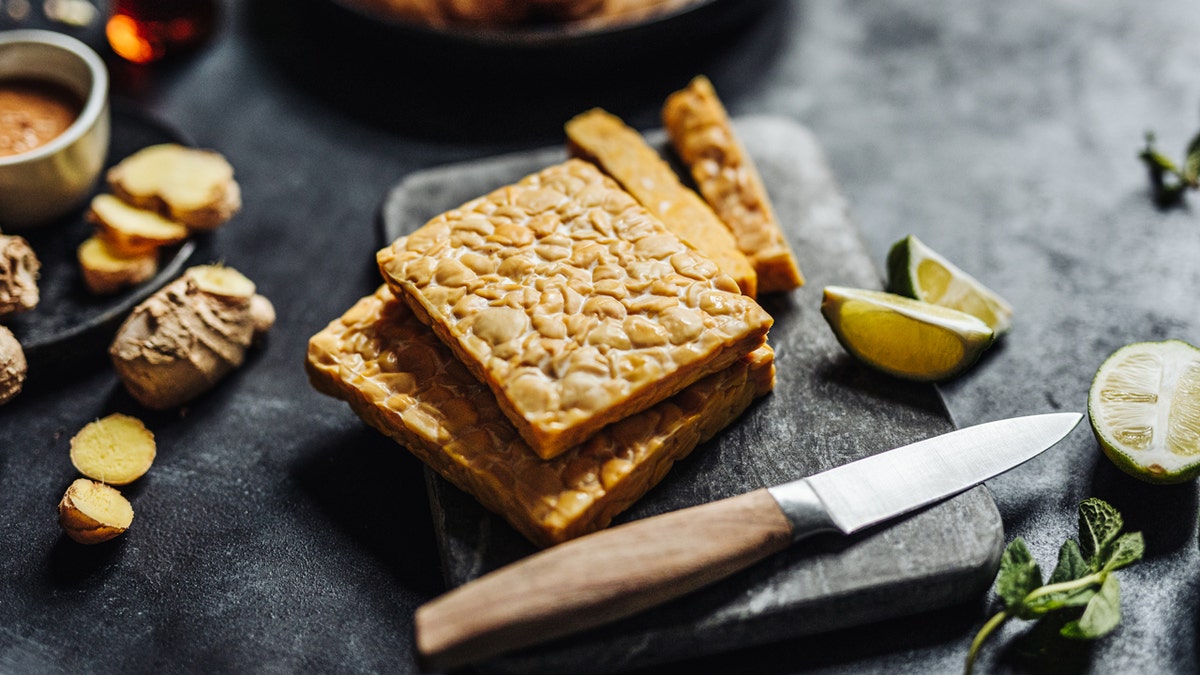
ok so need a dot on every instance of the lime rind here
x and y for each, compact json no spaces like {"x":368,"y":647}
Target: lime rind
{"x":1144,"y":408}
{"x":909,"y":259}
{"x":906,"y":338}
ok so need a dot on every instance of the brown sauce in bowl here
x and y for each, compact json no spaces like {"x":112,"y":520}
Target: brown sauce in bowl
{"x":34,"y":112}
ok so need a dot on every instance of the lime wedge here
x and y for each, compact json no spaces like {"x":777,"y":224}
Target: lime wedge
{"x":1144,"y":405}
{"x":904,"y":337}
{"x":917,"y":271}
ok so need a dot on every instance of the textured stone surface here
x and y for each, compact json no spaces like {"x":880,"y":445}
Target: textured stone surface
{"x":825,"y":410}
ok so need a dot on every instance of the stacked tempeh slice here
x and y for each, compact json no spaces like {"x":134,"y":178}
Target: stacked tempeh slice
{"x":551,"y":348}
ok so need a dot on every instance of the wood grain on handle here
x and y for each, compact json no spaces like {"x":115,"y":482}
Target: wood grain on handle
{"x":599,"y":578}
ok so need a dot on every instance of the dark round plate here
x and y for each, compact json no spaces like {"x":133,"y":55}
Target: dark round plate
{"x":597,"y":43}
{"x":69,"y":320}
{"x":543,"y":34}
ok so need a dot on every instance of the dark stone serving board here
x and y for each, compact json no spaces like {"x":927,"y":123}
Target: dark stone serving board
{"x":825,"y":411}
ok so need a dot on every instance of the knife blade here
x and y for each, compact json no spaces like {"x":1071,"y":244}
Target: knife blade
{"x":618,"y":572}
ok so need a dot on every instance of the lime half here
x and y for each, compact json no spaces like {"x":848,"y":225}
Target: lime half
{"x":917,"y":271}
{"x":1144,"y":405}
{"x":904,"y":337}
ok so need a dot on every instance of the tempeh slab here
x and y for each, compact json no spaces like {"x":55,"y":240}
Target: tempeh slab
{"x":701,"y":133}
{"x":573,"y":303}
{"x":399,"y":378}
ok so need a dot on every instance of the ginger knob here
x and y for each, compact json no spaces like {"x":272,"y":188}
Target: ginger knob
{"x":19,"y":268}
{"x":183,"y":339}
{"x":12,"y":366}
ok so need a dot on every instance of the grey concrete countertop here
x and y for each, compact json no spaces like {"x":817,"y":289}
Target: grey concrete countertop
{"x":277,"y":533}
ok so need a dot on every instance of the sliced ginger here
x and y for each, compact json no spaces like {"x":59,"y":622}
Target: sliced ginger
{"x":222,"y":281}
{"x":106,"y":271}
{"x":160,"y":194}
{"x":92,"y":512}
{"x":117,"y":449}
{"x":131,"y":231}
{"x":192,"y":186}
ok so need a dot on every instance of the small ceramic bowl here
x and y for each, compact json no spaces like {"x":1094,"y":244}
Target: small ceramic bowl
{"x":39,"y":185}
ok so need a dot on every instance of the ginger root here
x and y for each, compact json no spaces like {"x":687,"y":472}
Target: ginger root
{"x":92,"y":512}
{"x":116,"y":450}
{"x":183,"y":339}
{"x":191,"y":186}
{"x":106,"y":271}
{"x":131,"y":231}
{"x":12,"y":366}
{"x":19,"y":268}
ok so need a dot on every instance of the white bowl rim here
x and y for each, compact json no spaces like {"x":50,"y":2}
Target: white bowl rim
{"x":97,"y":99}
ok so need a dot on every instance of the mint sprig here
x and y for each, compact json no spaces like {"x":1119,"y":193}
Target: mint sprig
{"x":1082,"y":583}
{"x":1168,"y":179}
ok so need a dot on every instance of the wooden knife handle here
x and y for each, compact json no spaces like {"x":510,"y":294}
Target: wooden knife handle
{"x":598,"y":578}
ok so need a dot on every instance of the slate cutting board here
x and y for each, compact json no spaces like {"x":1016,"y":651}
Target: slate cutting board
{"x":826,"y":410}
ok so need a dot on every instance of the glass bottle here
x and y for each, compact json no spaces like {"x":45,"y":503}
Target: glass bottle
{"x":144,"y":31}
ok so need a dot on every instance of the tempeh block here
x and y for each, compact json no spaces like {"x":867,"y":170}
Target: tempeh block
{"x":623,"y":154}
{"x":399,"y":378}
{"x":571,"y":302}
{"x":701,"y":133}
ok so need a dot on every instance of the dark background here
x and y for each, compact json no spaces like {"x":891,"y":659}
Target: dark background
{"x":1003,"y":134}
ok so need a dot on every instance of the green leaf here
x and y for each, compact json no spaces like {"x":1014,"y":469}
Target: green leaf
{"x":1082,"y":586}
{"x":1155,"y":160}
{"x":1052,"y":602}
{"x":1071,"y":564}
{"x":1167,"y":180}
{"x":1099,"y":524}
{"x":1125,"y":551}
{"x":1019,"y":575}
{"x":1191,"y":163}
{"x":1102,"y":614}
{"x":1158,"y":161}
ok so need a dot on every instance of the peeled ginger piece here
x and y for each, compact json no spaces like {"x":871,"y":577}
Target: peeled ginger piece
{"x":92,"y":512}
{"x":130,"y":230}
{"x":192,"y":186}
{"x":117,"y":449}
{"x":106,"y":271}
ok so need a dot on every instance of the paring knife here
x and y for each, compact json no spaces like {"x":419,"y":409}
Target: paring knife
{"x":618,"y":572}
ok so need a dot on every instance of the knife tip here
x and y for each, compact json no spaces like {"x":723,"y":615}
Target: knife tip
{"x":1064,"y":421}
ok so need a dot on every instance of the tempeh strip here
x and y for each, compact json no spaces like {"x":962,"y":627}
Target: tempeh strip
{"x":724,"y":172}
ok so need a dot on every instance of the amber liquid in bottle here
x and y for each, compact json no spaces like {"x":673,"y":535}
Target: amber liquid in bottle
{"x":143,"y":31}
